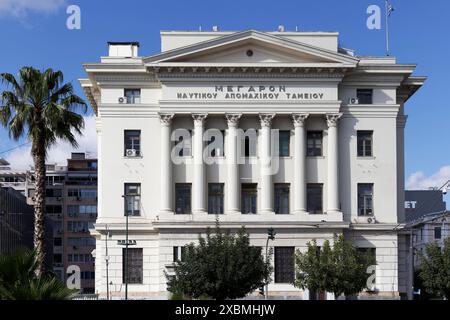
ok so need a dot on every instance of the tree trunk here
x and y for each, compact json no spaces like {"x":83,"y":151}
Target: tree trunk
{"x":38,"y":152}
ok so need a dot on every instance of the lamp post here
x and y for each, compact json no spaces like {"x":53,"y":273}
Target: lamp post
{"x":126,"y":247}
{"x":270,"y":236}
{"x":107,"y":263}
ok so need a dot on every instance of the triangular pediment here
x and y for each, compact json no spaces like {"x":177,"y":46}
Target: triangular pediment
{"x":251,"y":47}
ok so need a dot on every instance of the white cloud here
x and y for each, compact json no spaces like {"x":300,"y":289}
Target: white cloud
{"x":20,"y":8}
{"x":419,"y":181}
{"x":21,"y":159}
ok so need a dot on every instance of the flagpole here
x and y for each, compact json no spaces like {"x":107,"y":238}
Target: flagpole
{"x":387,"y":28}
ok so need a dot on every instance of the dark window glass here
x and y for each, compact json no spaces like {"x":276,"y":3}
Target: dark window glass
{"x":182,"y":198}
{"x":364,"y":96}
{"x":57,"y":258}
{"x":248,"y":198}
{"x":132,"y":143}
{"x":215,"y":198}
{"x":370,"y":253}
{"x":284,"y":140}
{"x":365,"y":199}
{"x":437,"y":232}
{"x":281,"y":198}
{"x":284,"y":265}
{"x":178,"y":253}
{"x":365,"y":143}
{"x":186,"y":151}
{"x":219,"y":151}
{"x":57,"y":242}
{"x":135,"y":265}
{"x":53,"y":193}
{"x":249,"y":145}
{"x":133,"y":95}
{"x":314,"y":198}
{"x":314,"y":144}
{"x":132,"y":199}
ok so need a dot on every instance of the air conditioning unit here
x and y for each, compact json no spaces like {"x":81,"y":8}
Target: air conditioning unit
{"x":353,"y":101}
{"x":122,"y":100}
{"x":371,"y":220}
{"x":131,"y":152}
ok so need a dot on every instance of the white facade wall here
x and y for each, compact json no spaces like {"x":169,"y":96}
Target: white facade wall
{"x":303,"y":68}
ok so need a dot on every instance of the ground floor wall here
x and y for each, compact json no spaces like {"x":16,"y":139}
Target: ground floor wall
{"x":158,"y":255}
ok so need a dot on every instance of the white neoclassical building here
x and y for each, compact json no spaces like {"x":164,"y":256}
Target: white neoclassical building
{"x":262,"y":129}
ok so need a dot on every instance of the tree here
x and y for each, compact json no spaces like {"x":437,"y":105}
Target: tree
{"x":221,"y":266}
{"x":340,"y":269}
{"x":435,"y":269}
{"x":18,"y":280}
{"x":40,"y":107}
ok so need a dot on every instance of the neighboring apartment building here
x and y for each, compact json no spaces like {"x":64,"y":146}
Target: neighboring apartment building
{"x":427,"y":219}
{"x":16,"y":221}
{"x":322,"y":153}
{"x":71,"y":203}
{"x":16,"y":179}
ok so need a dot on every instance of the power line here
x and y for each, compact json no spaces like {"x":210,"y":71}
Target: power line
{"x":17,"y":147}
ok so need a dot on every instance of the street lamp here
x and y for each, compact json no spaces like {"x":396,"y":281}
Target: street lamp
{"x":126,"y":246}
{"x":270,"y":236}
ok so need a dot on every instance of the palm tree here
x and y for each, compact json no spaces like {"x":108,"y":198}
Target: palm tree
{"x":42,"y":108}
{"x":18,"y":280}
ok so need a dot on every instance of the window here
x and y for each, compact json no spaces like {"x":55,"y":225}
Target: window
{"x":53,"y":193}
{"x":365,"y":143}
{"x":314,"y":198}
{"x":314,"y":144}
{"x":437,"y":233}
{"x":219,"y":151}
{"x":178,"y":253}
{"x":82,"y":193}
{"x":371,"y":254}
{"x":53,"y":209}
{"x":185,"y":144}
{"x":183,"y":198}
{"x":132,"y":271}
{"x":284,"y":265}
{"x":132,"y":143}
{"x":76,"y":210}
{"x":284,"y":138}
{"x":248,"y":198}
{"x":77,"y":226}
{"x":132,"y":199}
{"x":215,"y":198}
{"x":57,"y":242}
{"x":365,"y":199}
{"x":281,"y":198}
{"x":133,"y":95}
{"x":57,"y":258}
{"x":250,"y":140}
{"x":364,"y":96}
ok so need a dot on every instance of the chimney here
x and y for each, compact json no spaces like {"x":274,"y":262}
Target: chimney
{"x":123,"y":49}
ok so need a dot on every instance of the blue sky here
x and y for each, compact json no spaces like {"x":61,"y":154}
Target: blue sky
{"x":34,"y":33}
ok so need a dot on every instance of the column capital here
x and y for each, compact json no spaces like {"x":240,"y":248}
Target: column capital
{"x":233,"y":119}
{"x":199,"y":118}
{"x":166,"y":118}
{"x":266,"y":119}
{"x":333,"y":119}
{"x":299,"y":119}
